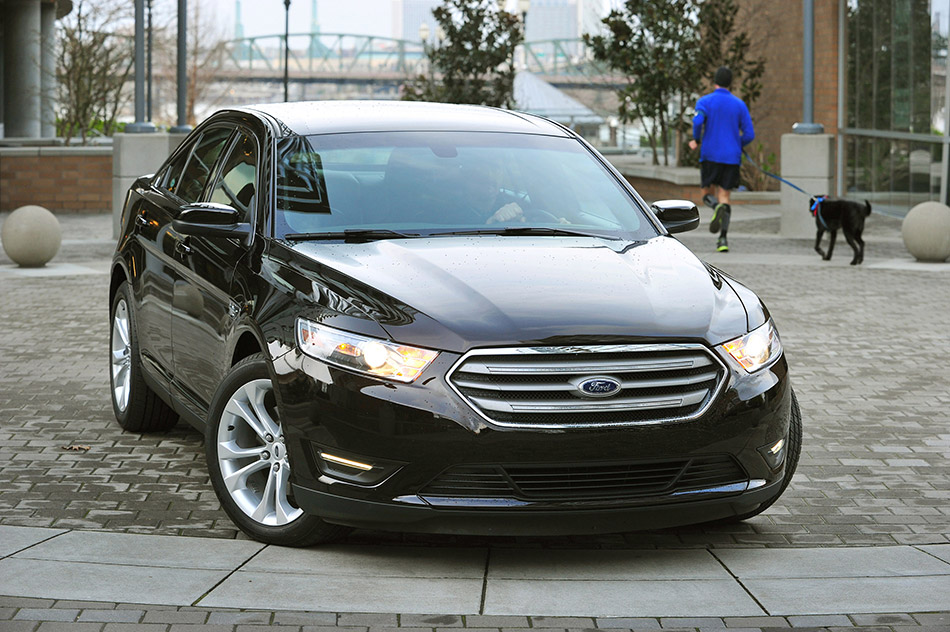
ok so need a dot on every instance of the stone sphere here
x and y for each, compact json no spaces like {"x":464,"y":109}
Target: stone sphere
{"x":926,"y":231}
{"x":31,"y":236}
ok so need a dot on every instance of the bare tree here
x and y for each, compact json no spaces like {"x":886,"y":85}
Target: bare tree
{"x":207,"y":49}
{"x":95,"y":62}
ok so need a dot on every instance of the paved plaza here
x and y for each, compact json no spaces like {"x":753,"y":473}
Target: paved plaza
{"x":105,"y":530}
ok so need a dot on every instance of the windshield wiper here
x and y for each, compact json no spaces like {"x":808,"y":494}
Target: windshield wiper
{"x":525,"y":230}
{"x":352,"y":234}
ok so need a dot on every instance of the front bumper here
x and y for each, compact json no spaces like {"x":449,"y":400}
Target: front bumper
{"x":412,"y":433}
{"x":368,"y":514}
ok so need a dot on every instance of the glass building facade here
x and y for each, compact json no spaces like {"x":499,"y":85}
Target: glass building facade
{"x":896,"y":130}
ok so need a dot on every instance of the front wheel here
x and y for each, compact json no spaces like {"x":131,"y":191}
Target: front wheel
{"x":248,"y":463}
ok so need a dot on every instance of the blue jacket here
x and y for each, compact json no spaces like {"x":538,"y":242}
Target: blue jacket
{"x":723,"y":125}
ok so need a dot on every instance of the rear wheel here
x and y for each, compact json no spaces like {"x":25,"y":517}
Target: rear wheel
{"x":248,"y":463}
{"x":136,"y":406}
{"x":791,"y":460}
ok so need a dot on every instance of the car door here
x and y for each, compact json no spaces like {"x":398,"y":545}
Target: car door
{"x":154,"y":207}
{"x":203,"y":311}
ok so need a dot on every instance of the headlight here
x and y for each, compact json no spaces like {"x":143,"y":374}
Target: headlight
{"x":756,"y":349}
{"x":366,"y":355}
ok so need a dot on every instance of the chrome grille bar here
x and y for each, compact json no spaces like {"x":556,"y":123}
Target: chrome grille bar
{"x":590,"y":406}
{"x":586,"y":366}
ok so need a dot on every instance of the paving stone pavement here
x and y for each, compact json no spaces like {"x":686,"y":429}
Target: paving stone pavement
{"x":43,"y":615}
{"x":867,"y":347}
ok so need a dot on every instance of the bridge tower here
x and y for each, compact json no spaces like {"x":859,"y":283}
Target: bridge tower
{"x":243,"y":50}
{"x":317,"y":49}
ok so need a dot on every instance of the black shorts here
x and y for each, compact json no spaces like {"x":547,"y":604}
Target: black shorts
{"x":726,"y":176}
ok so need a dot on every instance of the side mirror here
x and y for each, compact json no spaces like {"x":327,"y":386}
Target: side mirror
{"x":208,"y":219}
{"x":677,"y":216}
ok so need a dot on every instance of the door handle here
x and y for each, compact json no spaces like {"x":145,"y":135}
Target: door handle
{"x":182,"y":248}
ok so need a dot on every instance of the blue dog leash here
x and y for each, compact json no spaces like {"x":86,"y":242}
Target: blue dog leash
{"x":772,"y":175}
{"x":815,"y":207}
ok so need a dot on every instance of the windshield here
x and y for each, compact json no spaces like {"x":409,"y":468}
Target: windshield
{"x":423,"y":183}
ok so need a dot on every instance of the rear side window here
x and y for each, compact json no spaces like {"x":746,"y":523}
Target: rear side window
{"x":237,"y":184}
{"x":196,"y":173}
{"x":170,"y":177}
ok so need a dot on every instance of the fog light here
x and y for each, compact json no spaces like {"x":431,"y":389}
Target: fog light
{"x":339,"y":460}
{"x":340,"y":466}
{"x":774,"y":454}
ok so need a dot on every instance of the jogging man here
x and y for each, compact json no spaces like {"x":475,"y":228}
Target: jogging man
{"x":723,"y":126}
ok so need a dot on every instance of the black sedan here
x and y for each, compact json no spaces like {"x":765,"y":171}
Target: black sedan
{"x":439,"y":318}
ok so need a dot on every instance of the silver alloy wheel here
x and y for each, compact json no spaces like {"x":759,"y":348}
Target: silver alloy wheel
{"x":121,"y":357}
{"x":252,"y":457}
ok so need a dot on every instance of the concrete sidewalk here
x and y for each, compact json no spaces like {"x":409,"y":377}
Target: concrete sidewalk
{"x":182,"y":571}
{"x":123,"y":531}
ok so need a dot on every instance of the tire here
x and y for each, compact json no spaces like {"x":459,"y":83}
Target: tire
{"x":791,"y":461}
{"x":137,"y":407}
{"x":248,"y":463}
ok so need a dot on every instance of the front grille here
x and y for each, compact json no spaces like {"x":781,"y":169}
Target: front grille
{"x":553,"y":482}
{"x":537,"y":387}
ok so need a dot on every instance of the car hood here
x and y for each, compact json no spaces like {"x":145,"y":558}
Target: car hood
{"x":455,"y":293}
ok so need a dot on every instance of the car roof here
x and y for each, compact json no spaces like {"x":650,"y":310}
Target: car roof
{"x":333,"y":117}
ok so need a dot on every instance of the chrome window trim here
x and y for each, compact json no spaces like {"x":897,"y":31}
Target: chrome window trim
{"x":584,"y":349}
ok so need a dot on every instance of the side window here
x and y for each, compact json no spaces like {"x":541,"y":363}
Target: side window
{"x":169,"y":177}
{"x":196,"y":173}
{"x":237,"y":183}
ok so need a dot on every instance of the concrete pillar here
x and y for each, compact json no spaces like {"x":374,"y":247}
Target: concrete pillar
{"x":48,"y":70}
{"x":175,"y":139}
{"x":133,"y":155}
{"x":808,"y":161}
{"x":21,"y":79}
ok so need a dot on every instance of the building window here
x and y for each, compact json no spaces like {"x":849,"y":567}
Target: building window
{"x":896,"y":101}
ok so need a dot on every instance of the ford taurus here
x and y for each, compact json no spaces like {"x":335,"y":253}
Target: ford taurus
{"x":439,"y":318}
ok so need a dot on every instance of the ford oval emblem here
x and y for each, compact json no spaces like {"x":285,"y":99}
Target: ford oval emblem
{"x":598,"y":386}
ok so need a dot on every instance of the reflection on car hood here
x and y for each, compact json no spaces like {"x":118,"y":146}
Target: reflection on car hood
{"x":484,"y":291}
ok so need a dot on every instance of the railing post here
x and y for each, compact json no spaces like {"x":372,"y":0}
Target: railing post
{"x":182,"y":69}
{"x":140,"y":125}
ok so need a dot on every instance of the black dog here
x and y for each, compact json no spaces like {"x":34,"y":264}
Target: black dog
{"x":849,"y":216}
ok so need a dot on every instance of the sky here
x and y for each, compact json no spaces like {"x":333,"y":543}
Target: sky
{"x":266,"y":17}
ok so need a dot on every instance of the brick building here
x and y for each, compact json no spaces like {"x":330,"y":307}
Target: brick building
{"x":776,"y":32}
{"x":879,"y":86}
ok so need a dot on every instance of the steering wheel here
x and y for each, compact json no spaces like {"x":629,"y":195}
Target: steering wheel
{"x":535,"y":214}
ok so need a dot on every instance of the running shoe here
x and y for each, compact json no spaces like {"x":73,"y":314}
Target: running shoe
{"x":718,"y":211}
{"x":710,"y":200}
{"x":722,"y":245}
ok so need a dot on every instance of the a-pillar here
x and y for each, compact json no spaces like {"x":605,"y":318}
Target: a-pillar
{"x":21,"y":68}
{"x":48,"y":84}
{"x":808,"y":161}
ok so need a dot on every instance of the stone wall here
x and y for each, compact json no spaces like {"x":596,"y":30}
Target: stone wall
{"x":80,"y":179}
{"x":61,"y":179}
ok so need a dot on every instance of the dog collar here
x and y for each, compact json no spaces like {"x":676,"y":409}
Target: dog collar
{"x":816,"y":210}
